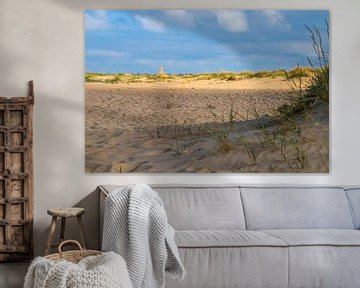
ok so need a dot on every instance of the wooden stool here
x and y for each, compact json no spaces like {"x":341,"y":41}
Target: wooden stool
{"x":64,"y":213}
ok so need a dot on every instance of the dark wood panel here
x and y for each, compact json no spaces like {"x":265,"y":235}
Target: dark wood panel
{"x":16,"y":177}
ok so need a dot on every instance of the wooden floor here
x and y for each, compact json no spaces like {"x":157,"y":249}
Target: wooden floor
{"x":12,"y":274}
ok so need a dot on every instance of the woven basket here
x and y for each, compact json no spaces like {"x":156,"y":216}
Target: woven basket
{"x":72,"y":256}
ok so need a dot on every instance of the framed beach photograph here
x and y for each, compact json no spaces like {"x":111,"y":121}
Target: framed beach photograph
{"x":207,"y":91}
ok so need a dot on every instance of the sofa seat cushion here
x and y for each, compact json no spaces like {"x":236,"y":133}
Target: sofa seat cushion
{"x":317,"y":237}
{"x":233,"y":267}
{"x":225,"y":238}
{"x":323,"y":258}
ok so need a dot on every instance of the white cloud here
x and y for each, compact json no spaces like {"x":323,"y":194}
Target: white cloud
{"x":104,"y":53}
{"x":97,"y":20}
{"x":276,"y":19}
{"x":303,"y":48}
{"x":232,"y":20}
{"x":151,"y":24}
{"x":181,"y":16}
{"x":300,"y":47}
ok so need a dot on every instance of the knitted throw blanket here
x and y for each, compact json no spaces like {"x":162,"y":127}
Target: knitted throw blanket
{"x":136,"y":227}
{"x":103,"y":271}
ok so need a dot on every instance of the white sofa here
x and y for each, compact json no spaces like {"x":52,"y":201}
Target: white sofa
{"x":264,"y":237}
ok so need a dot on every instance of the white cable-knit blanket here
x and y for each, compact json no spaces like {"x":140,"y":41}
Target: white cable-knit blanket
{"x":136,"y":227}
{"x":103,"y":271}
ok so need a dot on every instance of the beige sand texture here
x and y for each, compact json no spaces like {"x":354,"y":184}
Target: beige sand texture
{"x":200,"y":126}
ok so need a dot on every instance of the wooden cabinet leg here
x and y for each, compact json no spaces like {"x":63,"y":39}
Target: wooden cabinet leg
{"x":82,"y":232}
{"x":62,"y":231}
{"x":51,"y":235}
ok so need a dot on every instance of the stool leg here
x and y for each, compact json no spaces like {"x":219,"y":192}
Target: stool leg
{"x":82,"y":232}
{"x":62,"y":230}
{"x":51,"y":235}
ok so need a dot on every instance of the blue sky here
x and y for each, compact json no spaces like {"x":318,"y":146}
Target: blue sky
{"x":198,"y":41}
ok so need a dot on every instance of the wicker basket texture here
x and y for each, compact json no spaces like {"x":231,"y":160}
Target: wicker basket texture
{"x":72,"y":256}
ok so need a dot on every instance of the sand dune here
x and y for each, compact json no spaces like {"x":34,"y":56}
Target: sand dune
{"x":198,"y":126}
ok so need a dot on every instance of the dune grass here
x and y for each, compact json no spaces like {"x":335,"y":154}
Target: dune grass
{"x":220,"y":76}
{"x":315,"y":89}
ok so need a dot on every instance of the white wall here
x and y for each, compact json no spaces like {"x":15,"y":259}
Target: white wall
{"x":43,"y":40}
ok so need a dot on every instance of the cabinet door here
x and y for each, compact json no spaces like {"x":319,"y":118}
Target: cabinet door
{"x":16,"y":210}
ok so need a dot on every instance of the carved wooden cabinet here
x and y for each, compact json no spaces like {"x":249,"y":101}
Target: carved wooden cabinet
{"x":16,"y":177}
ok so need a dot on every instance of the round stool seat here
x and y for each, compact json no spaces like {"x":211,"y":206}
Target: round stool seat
{"x":66,"y":211}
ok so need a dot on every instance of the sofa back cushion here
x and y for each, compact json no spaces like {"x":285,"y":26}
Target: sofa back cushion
{"x":203,"y":208}
{"x":296,"y":208}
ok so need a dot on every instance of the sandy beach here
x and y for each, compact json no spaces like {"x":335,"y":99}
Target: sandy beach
{"x":199,"y":126}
